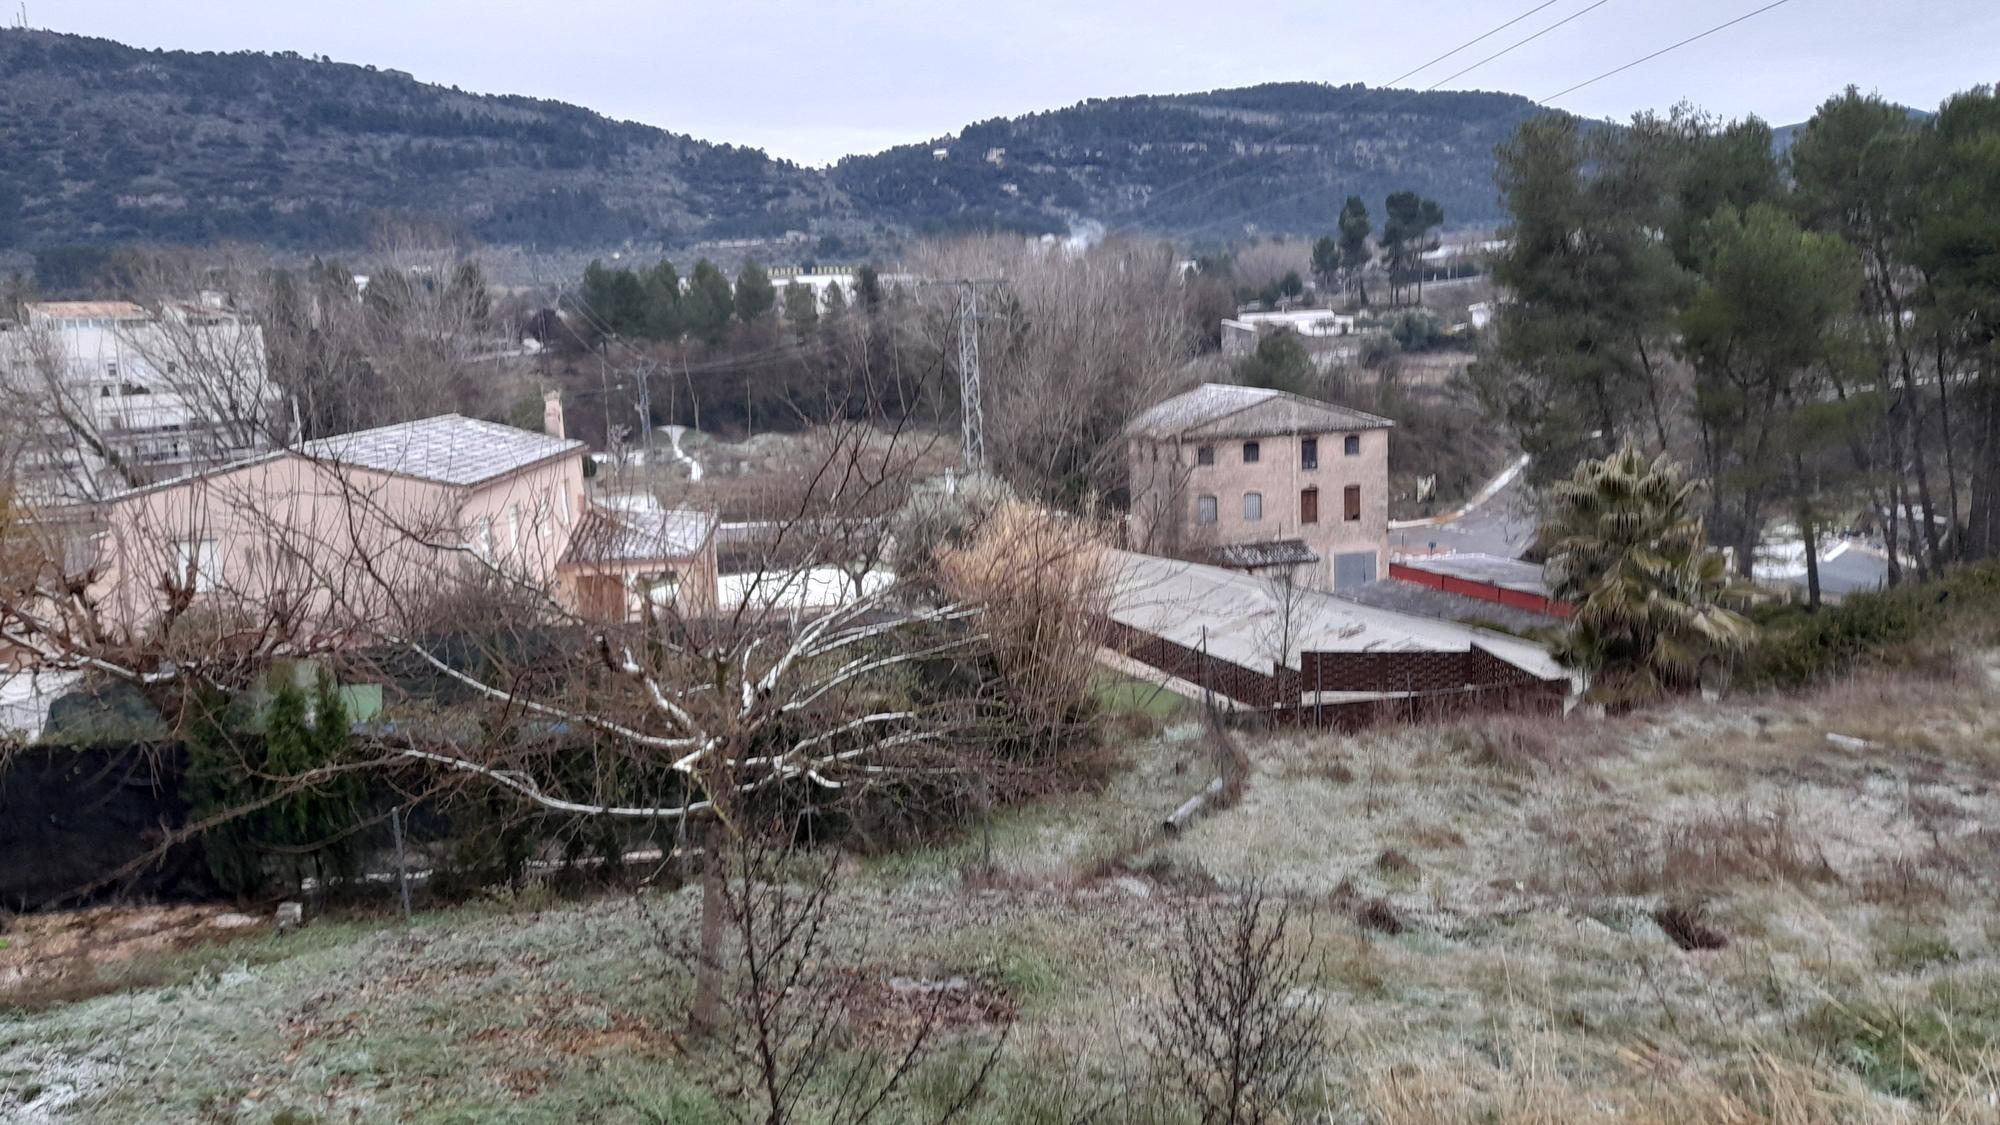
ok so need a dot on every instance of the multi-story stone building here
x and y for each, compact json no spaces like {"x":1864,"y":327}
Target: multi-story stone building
{"x":1262,"y":480}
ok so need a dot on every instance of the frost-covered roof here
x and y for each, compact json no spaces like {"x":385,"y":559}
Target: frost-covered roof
{"x":1224,"y":410}
{"x":637,"y":534}
{"x":449,"y":449}
{"x":1237,"y":617}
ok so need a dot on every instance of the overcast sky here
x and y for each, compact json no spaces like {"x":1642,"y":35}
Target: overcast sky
{"x":818,"y":79}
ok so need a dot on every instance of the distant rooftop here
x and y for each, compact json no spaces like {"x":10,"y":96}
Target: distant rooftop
{"x":449,"y":449}
{"x":634,"y":533}
{"x":88,"y":310}
{"x":1224,"y":410}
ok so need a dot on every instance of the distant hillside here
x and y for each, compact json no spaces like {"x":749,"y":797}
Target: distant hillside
{"x":1283,"y":157}
{"x":103,"y":142}
{"x":100,"y":141}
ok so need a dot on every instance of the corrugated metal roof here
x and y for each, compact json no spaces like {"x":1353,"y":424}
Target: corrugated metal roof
{"x":1239,"y":617}
{"x":449,"y":449}
{"x":637,"y":535}
{"x":1224,"y":410}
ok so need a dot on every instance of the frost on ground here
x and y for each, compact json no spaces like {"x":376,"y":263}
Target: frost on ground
{"x":1707,"y":913}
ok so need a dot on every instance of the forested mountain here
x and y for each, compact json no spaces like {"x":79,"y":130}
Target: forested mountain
{"x":99,"y":141}
{"x":1281,"y":157}
{"x":102,"y":142}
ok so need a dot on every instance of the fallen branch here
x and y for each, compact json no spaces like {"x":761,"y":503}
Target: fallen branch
{"x":1179,"y":818}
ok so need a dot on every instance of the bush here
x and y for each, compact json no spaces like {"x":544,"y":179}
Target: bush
{"x":1796,"y":648}
{"x":1038,"y":579}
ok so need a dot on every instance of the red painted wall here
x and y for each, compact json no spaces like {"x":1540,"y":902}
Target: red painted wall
{"x":1484,"y":591}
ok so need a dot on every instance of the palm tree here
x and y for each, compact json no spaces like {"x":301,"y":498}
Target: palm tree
{"x":1651,"y":598}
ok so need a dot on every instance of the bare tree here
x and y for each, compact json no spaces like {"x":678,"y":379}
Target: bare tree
{"x":1240,"y":1029}
{"x":788,"y":1037}
{"x":1071,"y":346}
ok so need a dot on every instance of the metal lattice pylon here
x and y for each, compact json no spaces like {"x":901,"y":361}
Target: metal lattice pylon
{"x":974,"y":415}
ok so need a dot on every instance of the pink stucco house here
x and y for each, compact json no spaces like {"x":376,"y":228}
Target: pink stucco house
{"x":357,"y":534}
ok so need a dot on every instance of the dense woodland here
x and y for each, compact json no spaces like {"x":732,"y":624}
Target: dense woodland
{"x":1813,"y":333}
{"x":1276,"y":159}
{"x":100,"y":143}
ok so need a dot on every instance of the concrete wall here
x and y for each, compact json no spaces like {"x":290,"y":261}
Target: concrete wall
{"x":1168,"y":481}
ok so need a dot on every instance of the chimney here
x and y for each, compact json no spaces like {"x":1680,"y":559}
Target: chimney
{"x":552,"y":415}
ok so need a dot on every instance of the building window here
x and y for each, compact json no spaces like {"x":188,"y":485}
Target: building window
{"x":1253,"y":507}
{"x":653,"y":591}
{"x":479,"y":539}
{"x":1250,"y":452}
{"x":1308,"y":453}
{"x":204,"y":559}
{"x":1350,"y":503}
{"x":1204,"y":510}
{"x":1353,"y":445}
{"x":1204,"y":455}
{"x":1309,"y":506}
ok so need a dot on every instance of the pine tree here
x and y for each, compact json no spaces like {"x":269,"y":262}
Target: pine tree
{"x":801,"y":308}
{"x":755,"y":296}
{"x":663,"y":302}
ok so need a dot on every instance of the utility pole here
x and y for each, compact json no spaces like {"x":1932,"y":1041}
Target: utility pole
{"x":971,"y":403}
{"x":646,"y":409}
{"x":969,"y":397}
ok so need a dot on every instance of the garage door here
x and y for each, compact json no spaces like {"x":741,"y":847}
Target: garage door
{"x":1357,"y":569}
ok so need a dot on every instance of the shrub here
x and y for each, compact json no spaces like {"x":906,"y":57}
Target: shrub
{"x":1038,"y":579}
{"x":1796,"y":648}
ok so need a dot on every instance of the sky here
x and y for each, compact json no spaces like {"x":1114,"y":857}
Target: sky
{"x":814,"y":80}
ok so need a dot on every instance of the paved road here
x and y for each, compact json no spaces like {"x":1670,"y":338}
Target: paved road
{"x":1504,"y":526}
{"x":674,"y":434}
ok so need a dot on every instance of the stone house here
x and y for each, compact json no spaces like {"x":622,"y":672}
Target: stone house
{"x":1263,"y":481}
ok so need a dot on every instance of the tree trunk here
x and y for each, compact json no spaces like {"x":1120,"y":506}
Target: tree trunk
{"x":1950,"y":446}
{"x":708,"y":969}
{"x":1983,"y":525}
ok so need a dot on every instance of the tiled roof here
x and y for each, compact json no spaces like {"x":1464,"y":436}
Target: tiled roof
{"x":449,"y":449}
{"x":604,"y":535}
{"x":1223,"y":410}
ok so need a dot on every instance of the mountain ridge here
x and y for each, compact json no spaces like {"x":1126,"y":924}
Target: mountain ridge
{"x":103,"y":142}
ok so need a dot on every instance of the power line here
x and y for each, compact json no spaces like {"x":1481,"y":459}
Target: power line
{"x":1309,"y":192}
{"x":1544,"y":101}
{"x":1662,"y":51}
{"x":1470,"y":42}
{"x":1522,"y":43}
{"x":1366,"y":92}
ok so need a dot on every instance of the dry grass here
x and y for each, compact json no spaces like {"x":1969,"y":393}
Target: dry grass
{"x":1704,"y":914}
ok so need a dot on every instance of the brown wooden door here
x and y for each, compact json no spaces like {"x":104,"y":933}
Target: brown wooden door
{"x":1309,"y":506}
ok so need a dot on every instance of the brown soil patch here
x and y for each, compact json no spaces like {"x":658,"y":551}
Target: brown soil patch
{"x":54,"y":957}
{"x":885,"y":1005}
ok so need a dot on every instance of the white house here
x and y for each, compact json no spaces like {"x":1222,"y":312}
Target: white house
{"x":106,"y":393}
